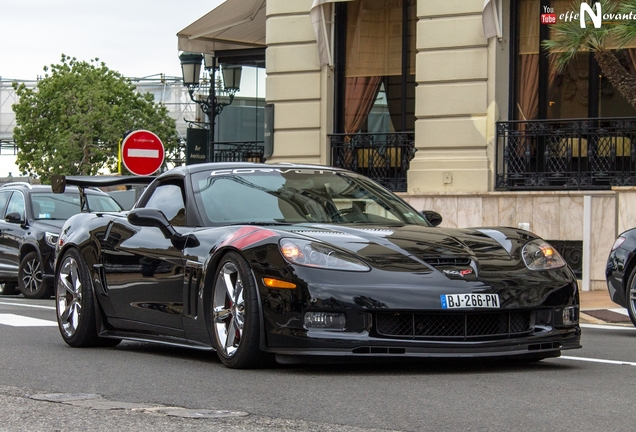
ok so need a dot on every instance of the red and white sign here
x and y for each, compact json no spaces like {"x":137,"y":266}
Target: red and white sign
{"x":547,"y":18}
{"x":142,"y":152}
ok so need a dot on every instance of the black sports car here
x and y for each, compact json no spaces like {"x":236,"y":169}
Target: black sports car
{"x":30,"y":220}
{"x":621,"y":272}
{"x":255,"y":260}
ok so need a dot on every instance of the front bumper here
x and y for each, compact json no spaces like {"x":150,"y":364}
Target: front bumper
{"x":543,"y":342}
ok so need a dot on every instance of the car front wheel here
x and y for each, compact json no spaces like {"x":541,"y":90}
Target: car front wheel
{"x":630,"y":296}
{"x":30,"y":279}
{"x":74,"y":303}
{"x":235,"y":318}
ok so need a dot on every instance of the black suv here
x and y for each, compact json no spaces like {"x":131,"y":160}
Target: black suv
{"x":31,"y":217}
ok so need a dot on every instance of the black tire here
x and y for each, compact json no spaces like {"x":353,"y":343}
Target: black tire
{"x":74,"y":303}
{"x":235,"y":321}
{"x":30,"y":280}
{"x":630,"y":297}
{"x":8,"y":288}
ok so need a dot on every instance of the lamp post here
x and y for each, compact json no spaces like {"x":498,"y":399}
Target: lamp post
{"x":211,"y":106}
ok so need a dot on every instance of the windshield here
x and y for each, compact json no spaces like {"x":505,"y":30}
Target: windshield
{"x":49,"y":205}
{"x":279,"y":195}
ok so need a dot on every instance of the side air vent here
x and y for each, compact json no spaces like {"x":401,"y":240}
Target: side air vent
{"x":439,"y":262}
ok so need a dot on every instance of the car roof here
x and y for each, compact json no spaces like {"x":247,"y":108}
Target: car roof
{"x":195,"y":168}
{"x":46,"y":188}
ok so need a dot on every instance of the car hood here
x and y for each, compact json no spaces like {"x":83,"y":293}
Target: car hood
{"x":417,"y":248}
{"x":51,"y":225}
{"x":412,"y":265}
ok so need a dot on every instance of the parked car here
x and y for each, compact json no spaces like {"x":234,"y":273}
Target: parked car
{"x":302,"y":261}
{"x":621,"y":272}
{"x":30,"y":222}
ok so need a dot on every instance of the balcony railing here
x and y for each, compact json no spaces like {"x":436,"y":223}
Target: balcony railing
{"x":245,"y":151}
{"x":383,"y":157}
{"x":573,"y":154}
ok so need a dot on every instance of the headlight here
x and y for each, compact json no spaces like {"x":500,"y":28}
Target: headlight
{"x":314,"y":254}
{"x":51,"y":239}
{"x":618,"y":242}
{"x":539,"y":255}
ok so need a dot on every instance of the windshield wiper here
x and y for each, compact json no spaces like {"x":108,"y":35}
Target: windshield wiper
{"x":261,"y":223}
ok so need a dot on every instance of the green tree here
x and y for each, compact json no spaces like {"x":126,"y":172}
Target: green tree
{"x":72,"y":121}
{"x":568,"y":38}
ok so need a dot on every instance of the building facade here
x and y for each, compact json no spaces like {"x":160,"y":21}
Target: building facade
{"x":455,"y":96}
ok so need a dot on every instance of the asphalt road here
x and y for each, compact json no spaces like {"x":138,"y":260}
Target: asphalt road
{"x":47,"y":386}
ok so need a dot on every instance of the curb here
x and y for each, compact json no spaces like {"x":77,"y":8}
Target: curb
{"x":588,"y":318}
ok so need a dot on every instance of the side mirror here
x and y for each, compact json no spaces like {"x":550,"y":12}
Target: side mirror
{"x":58,"y":184}
{"x":13,"y":217}
{"x":150,"y":217}
{"x":432,"y":217}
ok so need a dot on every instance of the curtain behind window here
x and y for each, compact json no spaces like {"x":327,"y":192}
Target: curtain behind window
{"x":374,"y":53}
{"x":374,"y":39}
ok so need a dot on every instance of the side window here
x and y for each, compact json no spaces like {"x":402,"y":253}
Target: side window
{"x":168,"y":198}
{"x":16,"y":204}
{"x":4,"y":197}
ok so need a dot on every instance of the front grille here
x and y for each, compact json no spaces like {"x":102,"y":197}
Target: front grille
{"x":452,"y":325}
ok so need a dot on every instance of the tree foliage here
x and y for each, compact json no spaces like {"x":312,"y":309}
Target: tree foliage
{"x":72,"y":121}
{"x":569,"y":38}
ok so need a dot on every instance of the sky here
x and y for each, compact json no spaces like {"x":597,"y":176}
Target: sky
{"x":136,"y":38}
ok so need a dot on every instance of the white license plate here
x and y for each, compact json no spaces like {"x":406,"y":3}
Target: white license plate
{"x":456,"y":301}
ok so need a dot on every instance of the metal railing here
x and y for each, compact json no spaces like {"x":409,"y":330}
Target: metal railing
{"x":383,"y":157}
{"x":244,"y":151}
{"x":572,"y":154}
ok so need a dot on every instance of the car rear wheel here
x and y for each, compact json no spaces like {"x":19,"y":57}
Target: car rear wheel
{"x":235,"y":317}
{"x":8,"y":288}
{"x":630,"y":296}
{"x":30,"y":279}
{"x":75,"y":305}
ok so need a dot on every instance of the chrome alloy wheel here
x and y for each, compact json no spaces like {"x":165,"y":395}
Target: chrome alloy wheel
{"x":631,"y":300}
{"x":69,"y":296}
{"x":229,"y":309}
{"x":32,"y":275}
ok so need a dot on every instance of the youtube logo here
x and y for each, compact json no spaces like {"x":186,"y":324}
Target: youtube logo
{"x":548,"y":18}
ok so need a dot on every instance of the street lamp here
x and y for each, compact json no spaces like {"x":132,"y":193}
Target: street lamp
{"x":211,"y":106}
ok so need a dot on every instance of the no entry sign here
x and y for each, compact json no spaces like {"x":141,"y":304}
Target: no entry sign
{"x":142,"y":152}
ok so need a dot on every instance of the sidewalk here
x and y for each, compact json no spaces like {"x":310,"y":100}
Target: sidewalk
{"x":597,"y":308}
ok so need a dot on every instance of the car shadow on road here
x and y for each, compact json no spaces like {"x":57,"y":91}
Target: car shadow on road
{"x":361,"y":366}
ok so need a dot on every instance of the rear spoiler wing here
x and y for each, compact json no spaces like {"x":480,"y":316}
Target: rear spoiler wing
{"x":59,"y":183}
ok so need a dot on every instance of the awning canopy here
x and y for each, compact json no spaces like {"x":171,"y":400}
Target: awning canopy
{"x":491,"y":18}
{"x":234,"y":24}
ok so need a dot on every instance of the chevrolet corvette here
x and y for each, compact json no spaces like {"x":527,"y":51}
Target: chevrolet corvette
{"x":305,"y":263}
{"x":620,"y":272}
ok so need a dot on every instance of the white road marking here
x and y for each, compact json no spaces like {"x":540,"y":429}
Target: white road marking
{"x":594,"y":360}
{"x":28,"y":305}
{"x":607,"y":327}
{"x":22,"y":321}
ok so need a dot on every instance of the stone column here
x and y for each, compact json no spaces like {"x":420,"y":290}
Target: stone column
{"x":295,"y":84}
{"x":452,"y":99}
